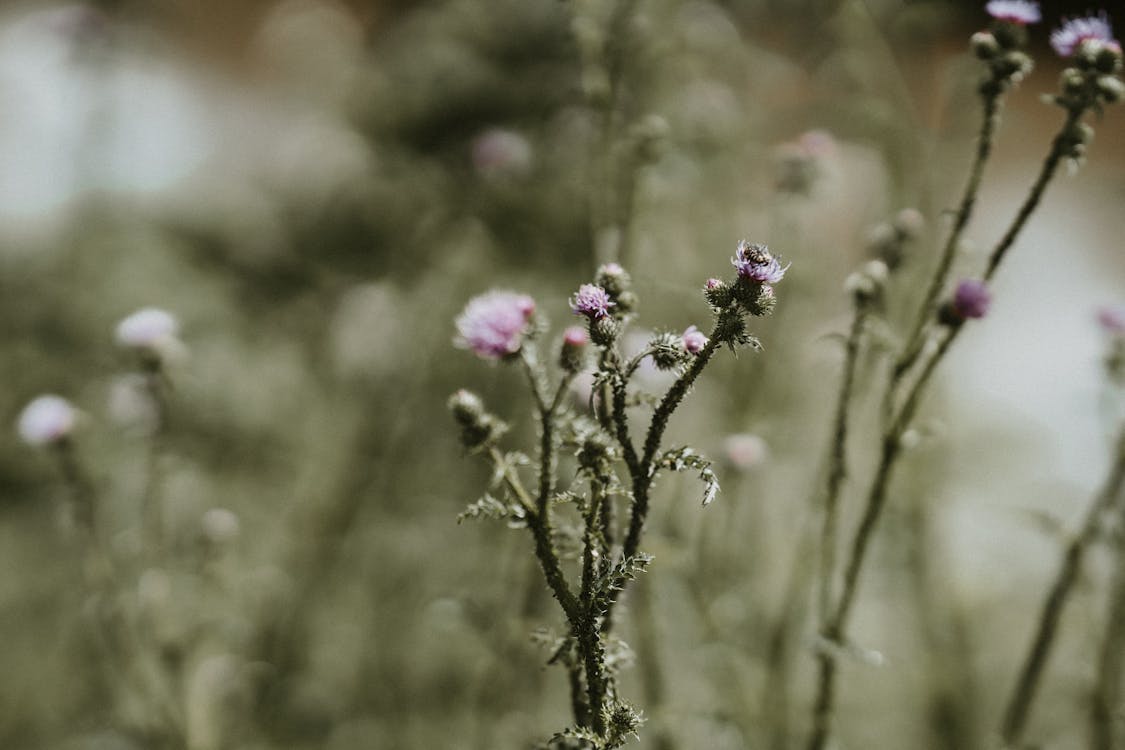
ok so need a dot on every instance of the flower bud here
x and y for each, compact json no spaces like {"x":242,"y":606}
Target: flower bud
{"x":668,"y":351}
{"x":572,"y":357}
{"x":1009,"y":36}
{"x":1110,"y":89}
{"x":1108,"y":59}
{"x":466,"y":407}
{"x":718,"y":293}
{"x":603,"y":331}
{"x":694,"y":340}
{"x":626,"y":303}
{"x":758,"y":299}
{"x":910,"y":223}
{"x":971,"y":299}
{"x":1072,"y":81}
{"x":613,"y":278}
{"x":984,"y":45}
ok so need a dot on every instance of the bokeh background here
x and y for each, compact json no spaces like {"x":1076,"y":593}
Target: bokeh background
{"x":316,"y":188}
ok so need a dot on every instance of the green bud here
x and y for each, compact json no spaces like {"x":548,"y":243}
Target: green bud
{"x":984,"y":45}
{"x":1110,"y":89}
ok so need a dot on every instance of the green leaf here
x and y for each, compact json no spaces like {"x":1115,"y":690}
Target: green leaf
{"x":686,"y":459}
{"x":488,"y":507}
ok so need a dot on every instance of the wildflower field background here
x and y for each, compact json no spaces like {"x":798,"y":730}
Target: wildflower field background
{"x":316,"y":188}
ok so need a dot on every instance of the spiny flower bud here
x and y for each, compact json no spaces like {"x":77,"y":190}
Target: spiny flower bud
{"x":466,"y":406}
{"x":612,"y":278}
{"x":595,"y":452}
{"x":756,"y":299}
{"x":910,"y":223}
{"x":626,"y":303}
{"x":603,"y":331}
{"x":1110,"y":89}
{"x":668,"y":351}
{"x":478,"y":428}
{"x":572,"y":357}
{"x":718,"y":293}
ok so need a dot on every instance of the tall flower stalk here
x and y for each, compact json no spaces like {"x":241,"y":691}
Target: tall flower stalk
{"x":609,"y":464}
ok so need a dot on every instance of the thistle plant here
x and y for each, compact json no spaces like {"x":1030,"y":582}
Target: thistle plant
{"x":1090,"y":83}
{"x":612,"y":477}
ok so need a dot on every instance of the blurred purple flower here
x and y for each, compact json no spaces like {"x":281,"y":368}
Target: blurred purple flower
{"x":1112,"y":319}
{"x":592,"y":301}
{"x":46,"y":420}
{"x":972,"y":299}
{"x":1016,"y":11}
{"x":755,"y":263}
{"x":497,"y":151}
{"x":694,"y":340}
{"x":1067,"y":38}
{"x":745,"y":450}
{"x":493,"y":324}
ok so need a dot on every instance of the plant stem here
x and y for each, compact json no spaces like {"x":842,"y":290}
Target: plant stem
{"x":587,"y":630}
{"x":1020,"y":702}
{"x":916,"y":339}
{"x":837,"y":470}
{"x":1107,"y":726}
{"x":1059,"y":148}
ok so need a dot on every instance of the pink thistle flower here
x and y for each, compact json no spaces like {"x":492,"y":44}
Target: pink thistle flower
{"x":745,"y":451}
{"x":592,"y":301}
{"x":694,"y":340}
{"x":147,"y":328}
{"x":1016,"y":11}
{"x":47,"y":420}
{"x":493,"y":324}
{"x":1068,"y":38}
{"x":754,"y":262}
{"x":971,"y":299}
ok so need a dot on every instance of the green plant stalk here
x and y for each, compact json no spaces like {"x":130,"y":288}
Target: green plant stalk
{"x":916,"y":339}
{"x":1023,"y":694}
{"x":837,"y":470}
{"x":1106,"y":728}
{"x":587,"y":631}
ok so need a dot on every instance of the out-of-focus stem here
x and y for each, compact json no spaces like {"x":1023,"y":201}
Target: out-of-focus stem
{"x":1107,"y":725}
{"x":1027,"y":684}
{"x":916,"y":339}
{"x":837,"y":469}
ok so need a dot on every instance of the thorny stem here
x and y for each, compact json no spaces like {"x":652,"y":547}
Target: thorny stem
{"x":642,"y":478}
{"x":837,"y":470}
{"x":1019,"y":704}
{"x":587,"y":630}
{"x":964,"y":212}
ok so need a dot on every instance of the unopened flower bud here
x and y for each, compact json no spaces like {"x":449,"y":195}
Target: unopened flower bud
{"x":668,"y":351}
{"x":478,"y":428}
{"x":1013,"y":65}
{"x":603,"y":331}
{"x":626,"y":303}
{"x":613,"y":278}
{"x":759,"y":300}
{"x":1111,"y":89}
{"x":1072,"y":81}
{"x":572,"y":357}
{"x":910,"y":223}
{"x":984,"y":45}
{"x":971,"y":299}
{"x":1108,"y":59}
{"x":718,"y":293}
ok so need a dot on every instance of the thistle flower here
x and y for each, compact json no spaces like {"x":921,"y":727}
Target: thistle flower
{"x":1068,"y":38}
{"x":592,"y":301}
{"x":694,"y":340}
{"x":1015,"y":11}
{"x":755,"y":263}
{"x":971,"y":299}
{"x":149,"y":328}
{"x":613,"y":278}
{"x":493,"y":325}
{"x":47,"y":420}
{"x":572,"y":356}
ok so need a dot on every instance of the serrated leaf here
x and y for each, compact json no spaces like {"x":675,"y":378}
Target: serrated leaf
{"x":684,"y":459}
{"x":489,"y":507}
{"x":616,"y":579}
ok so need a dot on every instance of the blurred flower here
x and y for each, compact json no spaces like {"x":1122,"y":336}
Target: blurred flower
{"x":591,"y":301}
{"x":800,"y":162}
{"x":150,"y":329}
{"x":572,"y":356}
{"x":1067,"y":38}
{"x":755,"y":263}
{"x":47,"y":419}
{"x":745,"y":451}
{"x":613,"y":278}
{"x":1112,"y":319}
{"x":219,"y":526}
{"x":694,"y":340}
{"x":498,"y":152}
{"x":971,"y":299}
{"x":1016,"y":11}
{"x":493,"y":324}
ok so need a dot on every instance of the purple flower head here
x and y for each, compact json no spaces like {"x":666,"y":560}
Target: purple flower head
{"x":713,"y":284}
{"x":1068,"y":38}
{"x":694,"y":340}
{"x":972,"y":299}
{"x":1016,"y":11}
{"x":493,"y":324}
{"x":591,"y":301}
{"x":47,"y":420}
{"x":611,"y":269}
{"x":755,"y":263}
{"x":1112,"y":319}
{"x":576,"y":336}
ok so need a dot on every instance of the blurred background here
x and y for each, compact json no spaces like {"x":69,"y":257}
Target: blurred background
{"x":315,"y":188}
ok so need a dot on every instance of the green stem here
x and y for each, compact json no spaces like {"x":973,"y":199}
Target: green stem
{"x":837,"y":470}
{"x":587,"y":631}
{"x":916,"y":339}
{"x":1020,"y":702}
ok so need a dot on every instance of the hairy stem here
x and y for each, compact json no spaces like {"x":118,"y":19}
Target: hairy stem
{"x":587,"y":631}
{"x":1020,"y":702}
